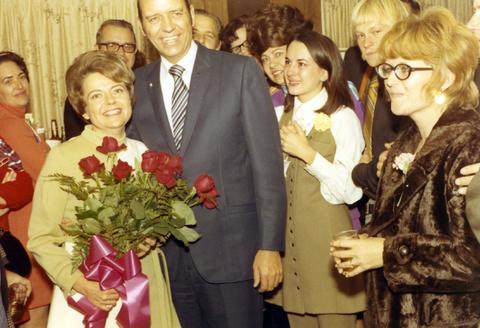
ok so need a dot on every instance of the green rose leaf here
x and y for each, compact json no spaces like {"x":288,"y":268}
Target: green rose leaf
{"x":85,"y":215}
{"x":93,"y":204}
{"x":138,"y":209}
{"x":105,"y":215}
{"x":189,"y":234}
{"x":91,"y":226}
{"x":182,"y":210}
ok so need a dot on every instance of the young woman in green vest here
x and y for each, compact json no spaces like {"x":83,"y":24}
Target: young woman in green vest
{"x":322,"y":141}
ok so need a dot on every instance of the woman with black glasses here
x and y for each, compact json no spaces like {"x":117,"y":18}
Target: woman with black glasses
{"x":421,"y":256}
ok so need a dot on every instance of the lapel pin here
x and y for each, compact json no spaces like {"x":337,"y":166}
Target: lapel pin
{"x":150,"y":84}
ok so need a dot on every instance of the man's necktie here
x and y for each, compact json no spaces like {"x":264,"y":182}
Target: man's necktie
{"x":372,"y":95}
{"x":179,"y":103}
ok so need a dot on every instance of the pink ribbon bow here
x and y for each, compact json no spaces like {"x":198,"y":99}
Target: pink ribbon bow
{"x":125,"y":276}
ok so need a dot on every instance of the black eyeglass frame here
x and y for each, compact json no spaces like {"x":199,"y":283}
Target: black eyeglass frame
{"x":394,"y":70}
{"x":238,"y":49}
{"x":114,"y":47}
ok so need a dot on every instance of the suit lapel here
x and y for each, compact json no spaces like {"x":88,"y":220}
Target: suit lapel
{"x":158,"y":106}
{"x":198,"y":87}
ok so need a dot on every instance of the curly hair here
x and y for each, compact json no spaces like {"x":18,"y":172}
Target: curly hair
{"x":274,"y":26}
{"x":227,"y":36}
{"x":106,"y":63}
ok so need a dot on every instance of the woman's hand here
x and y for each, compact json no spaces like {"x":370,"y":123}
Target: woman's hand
{"x":295,"y":143}
{"x":145,"y":246}
{"x":104,"y":300}
{"x":468,"y":173}
{"x":23,"y":283}
{"x":354,"y":256}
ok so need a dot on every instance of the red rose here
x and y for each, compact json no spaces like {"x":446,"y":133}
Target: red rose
{"x":206,"y":191}
{"x":110,"y":145}
{"x":210,"y":199}
{"x":204,"y":183}
{"x":175,"y":163}
{"x":163,"y":158}
{"x":149,"y":161}
{"x":90,"y":165}
{"x":166,"y":176}
{"x":121,"y":170}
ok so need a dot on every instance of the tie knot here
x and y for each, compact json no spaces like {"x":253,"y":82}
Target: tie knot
{"x":176,"y":70}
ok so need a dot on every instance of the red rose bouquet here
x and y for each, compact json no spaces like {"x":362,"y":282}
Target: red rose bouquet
{"x":123,"y":206}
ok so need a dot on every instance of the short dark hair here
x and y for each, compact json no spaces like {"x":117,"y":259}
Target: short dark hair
{"x":215,"y":18}
{"x":327,"y":56}
{"x":114,"y":22}
{"x":228,"y":34}
{"x":139,"y":10}
{"x":6,"y":56}
{"x":274,"y":26}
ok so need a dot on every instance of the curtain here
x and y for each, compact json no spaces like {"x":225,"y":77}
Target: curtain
{"x":49,"y":34}
{"x":336,"y":16}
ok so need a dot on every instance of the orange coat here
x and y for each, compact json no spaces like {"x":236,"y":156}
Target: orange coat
{"x":32,"y":151}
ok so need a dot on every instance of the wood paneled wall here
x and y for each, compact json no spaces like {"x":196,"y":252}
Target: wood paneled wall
{"x":216,"y":7}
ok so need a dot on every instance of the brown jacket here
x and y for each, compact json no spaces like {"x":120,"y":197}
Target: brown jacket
{"x":431,"y":273}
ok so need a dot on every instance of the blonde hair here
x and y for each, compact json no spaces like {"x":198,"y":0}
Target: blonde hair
{"x":388,"y":12}
{"x":437,"y":38}
{"x":106,"y":63}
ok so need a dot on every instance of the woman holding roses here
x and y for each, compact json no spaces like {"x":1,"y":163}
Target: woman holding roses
{"x":100,"y":87}
{"x":322,"y":140}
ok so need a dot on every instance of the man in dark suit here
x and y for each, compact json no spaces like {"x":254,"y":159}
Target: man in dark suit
{"x":229,"y":131}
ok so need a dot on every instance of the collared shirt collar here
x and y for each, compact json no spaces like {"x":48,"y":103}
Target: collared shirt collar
{"x":186,"y":62}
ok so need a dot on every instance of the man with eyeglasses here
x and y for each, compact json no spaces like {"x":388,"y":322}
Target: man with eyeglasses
{"x":114,"y":35}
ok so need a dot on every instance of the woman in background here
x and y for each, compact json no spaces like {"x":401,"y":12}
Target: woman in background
{"x":322,"y":140}
{"x":14,"y":99}
{"x":421,"y":255}
{"x":270,"y":31}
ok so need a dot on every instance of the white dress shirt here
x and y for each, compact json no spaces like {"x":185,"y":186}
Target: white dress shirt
{"x":166,"y":79}
{"x":335,"y":178}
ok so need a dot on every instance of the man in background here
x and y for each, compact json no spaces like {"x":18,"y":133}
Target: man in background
{"x":207,"y":29}
{"x":114,"y":35}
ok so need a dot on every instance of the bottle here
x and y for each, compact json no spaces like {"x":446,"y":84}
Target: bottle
{"x":54,"y":130}
{"x":41,"y":133}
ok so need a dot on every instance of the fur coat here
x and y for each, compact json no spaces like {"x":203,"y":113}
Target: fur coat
{"x":431,"y":273}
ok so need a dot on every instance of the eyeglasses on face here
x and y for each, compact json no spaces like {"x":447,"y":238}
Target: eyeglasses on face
{"x":238,"y":49}
{"x":402,"y":71}
{"x":114,"y":47}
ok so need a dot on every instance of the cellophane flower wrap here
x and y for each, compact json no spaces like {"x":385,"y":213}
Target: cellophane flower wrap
{"x":124,"y":205}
